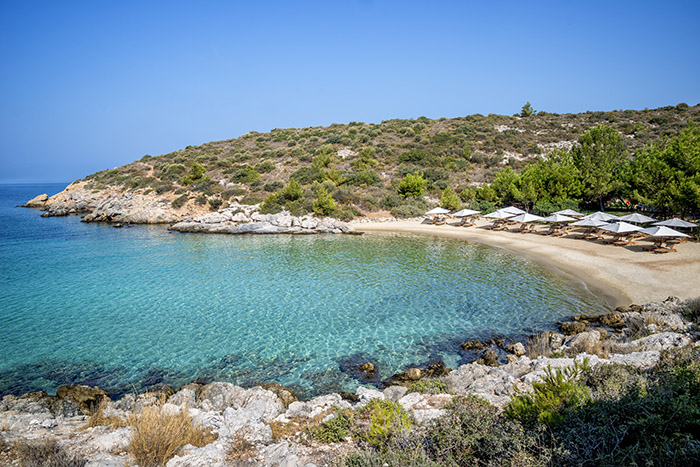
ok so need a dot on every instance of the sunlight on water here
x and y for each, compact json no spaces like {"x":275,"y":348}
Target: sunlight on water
{"x":141,"y":305}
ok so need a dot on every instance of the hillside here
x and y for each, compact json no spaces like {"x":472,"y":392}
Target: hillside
{"x":361,"y":164}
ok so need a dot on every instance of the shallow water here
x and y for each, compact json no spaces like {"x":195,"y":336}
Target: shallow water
{"x":132,"y":307}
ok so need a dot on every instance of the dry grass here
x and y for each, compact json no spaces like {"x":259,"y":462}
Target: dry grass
{"x":241,"y":452}
{"x":158,"y":436}
{"x":98,"y":418}
{"x":46,"y":454}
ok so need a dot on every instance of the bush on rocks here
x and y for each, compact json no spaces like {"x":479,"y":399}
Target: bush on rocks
{"x":159,"y":435}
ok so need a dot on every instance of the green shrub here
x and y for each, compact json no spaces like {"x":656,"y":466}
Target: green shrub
{"x":412,"y":185}
{"x":201,"y":200}
{"x":473,"y":433}
{"x":163,"y":188}
{"x":324,"y":205}
{"x":449,"y":200}
{"x":196,"y":174}
{"x":363,"y":178}
{"x":428,"y":386}
{"x":273,"y":186}
{"x":559,"y":392}
{"x":346,"y":213}
{"x":336,"y":429}
{"x":411,"y":207}
{"x":307,"y":175}
{"x":388,"y":419}
{"x":271,"y":204}
{"x":215,"y":203}
{"x":265,"y":167}
{"x":179,"y":201}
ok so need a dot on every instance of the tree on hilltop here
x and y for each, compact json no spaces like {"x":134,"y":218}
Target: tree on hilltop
{"x":527,"y":110}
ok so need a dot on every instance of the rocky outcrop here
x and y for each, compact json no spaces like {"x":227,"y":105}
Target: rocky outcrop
{"x":115,"y":205}
{"x":238,"y":219}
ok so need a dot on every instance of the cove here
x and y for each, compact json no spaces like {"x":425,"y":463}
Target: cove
{"x":129,"y":308}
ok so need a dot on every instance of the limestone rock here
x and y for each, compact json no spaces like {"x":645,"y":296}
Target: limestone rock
{"x":87,"y":398}
{"x":394,"y":393}
{"x":285,"y":394}
{"x":570,"y":328}
{"x":37,"y":202}
{"x":517,"y":349}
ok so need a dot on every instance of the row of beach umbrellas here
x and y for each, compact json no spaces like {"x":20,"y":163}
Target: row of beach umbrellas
{"x":600,"y":220}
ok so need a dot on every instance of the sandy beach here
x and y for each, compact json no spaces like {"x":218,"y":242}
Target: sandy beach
{"x":619,"y":274}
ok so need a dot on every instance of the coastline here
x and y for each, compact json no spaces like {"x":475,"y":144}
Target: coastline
{"x":618,"y":275}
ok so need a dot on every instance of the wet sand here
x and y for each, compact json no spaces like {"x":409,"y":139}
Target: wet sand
{"x":618,"y":274}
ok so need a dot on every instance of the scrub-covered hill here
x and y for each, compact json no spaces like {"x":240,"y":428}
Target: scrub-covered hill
{"x":354,"y":169}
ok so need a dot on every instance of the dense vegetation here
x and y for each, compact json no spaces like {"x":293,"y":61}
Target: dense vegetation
{"x":608,"y":415}
{"x":537,"y":159}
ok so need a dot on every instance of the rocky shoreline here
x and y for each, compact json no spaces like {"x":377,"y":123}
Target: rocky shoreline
{"x":123,"y":207}
{"x":272,"y":423}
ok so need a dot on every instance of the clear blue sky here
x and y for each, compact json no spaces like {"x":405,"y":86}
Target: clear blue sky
{"x":92,"y":85}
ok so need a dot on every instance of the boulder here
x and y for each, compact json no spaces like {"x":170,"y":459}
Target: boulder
{"x":394,"y":393}
{"x":285,"y":394}
{"x":87,"y":398}
{"x":570,"y":328}
{"x":489,"y":357}
{"x":612,"y":320}
{"x":366,"y":394}
{"x":473,"y":345}
{"x":517,"y":349}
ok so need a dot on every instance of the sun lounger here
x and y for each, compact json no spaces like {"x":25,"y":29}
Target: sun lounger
{"x":523,"y":227}
{"x":666,"y":249}
{"x":593,"y":236}
{"x":552,"y":230}
{"x":465,"y":223}
{"x":656,"y":245}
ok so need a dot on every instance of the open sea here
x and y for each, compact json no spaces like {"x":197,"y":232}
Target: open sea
{"x":129,"y":308}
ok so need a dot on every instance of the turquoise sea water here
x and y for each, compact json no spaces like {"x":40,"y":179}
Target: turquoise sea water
{"x":129,"y":308}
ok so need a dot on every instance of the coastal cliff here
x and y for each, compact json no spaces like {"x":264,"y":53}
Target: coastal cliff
{"x":267,"y":425}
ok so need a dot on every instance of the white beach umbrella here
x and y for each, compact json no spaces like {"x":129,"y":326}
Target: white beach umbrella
{"x":437,"y":211}
{"x":569,"y":212}
{"x":621,"y":227}
{"x":676,"y":223}
{"x":589,"y":223}
{"x":500,"y":214}
{"x":602,"y":216}
{"x":558,"y":218}
{"x":527,"y":218}
{"x":465,"y":213}
{"x":637,"y":218}
{"x":663,"y":231}
{"x":513,"y":210}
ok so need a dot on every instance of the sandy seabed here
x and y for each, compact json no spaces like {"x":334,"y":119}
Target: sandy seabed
{"x":618,"y":274}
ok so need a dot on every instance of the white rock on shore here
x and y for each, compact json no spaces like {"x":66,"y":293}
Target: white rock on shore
{"x":239,"y":219}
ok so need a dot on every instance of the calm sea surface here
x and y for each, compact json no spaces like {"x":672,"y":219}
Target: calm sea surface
{"x":129,"y":308}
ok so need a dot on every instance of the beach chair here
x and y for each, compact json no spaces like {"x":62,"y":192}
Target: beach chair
{"x":465,"y":222}
{"x":561,"y":230}
{"x":496,"y":225}
{"x":552,"y":230}
{"x":665,"y":249}
{"x":588,"y":231}
{"x":618,"y":237}
{"x":657,"y":244}
{"x":523,"y":227}
{"x":440,"y":221}
{"x":593,"y":236}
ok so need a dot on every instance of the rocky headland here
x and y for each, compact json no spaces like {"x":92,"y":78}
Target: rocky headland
{"x":267,"y":425}
{"x":126,"y":207}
